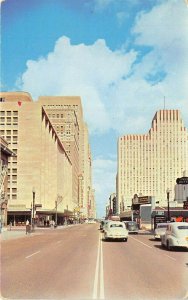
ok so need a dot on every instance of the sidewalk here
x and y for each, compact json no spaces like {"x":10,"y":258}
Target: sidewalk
{"x":15,"y":233}
{"x":18,"y":232}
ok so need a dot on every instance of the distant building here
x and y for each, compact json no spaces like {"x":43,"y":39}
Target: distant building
{"x":150,"y":163}
{"x":66,"y":116}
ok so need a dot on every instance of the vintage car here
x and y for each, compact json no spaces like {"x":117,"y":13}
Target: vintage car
{"x":115,"y":230}
{"x":160,"y":230}
{"x":132,"y":227}
{"x":176,"y":235}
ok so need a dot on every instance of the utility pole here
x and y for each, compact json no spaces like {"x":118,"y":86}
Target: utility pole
{"x":168,"y":196}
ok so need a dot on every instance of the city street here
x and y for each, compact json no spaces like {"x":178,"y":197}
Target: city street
{"x":75,"y":263}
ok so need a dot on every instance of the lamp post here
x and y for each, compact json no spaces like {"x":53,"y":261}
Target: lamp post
{"x":56,"y":213}
{"x":33,"y":218}
{"x":168,"y":194}
{"x":31,"y":212}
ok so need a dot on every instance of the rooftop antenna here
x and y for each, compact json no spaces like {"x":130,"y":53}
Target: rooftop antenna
{"x":164,"y":103}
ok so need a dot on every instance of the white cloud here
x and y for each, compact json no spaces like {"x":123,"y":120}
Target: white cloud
{"x":102,"y":77}
{"x":121,"y":17}
{"x":87,"y":71}
{"x":102,"y":4}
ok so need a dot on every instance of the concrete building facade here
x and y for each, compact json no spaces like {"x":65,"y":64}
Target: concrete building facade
{"x":66,"y":115}
{"x":51,"y":142}
{"x":149,"y":164}
{"x":5,"y":156}
{"x":41,"y":160}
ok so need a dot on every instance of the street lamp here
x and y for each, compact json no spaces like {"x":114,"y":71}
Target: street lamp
{"x":33,"y":219}
{"x":56,"y":212}
{"x":168,"y":194}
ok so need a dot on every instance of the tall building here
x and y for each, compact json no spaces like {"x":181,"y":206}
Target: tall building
{"x":66,"y":115}
{"x":41,"y":161}
{"x":88,"y":198}
{"x":50,"y":139}
{"x":149,"y":164}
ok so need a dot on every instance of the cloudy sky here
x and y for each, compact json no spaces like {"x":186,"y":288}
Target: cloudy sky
{"x":121,"y":56}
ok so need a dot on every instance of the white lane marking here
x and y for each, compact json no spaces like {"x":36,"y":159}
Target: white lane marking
{"x":95,"y":287}
{"x":101,"y":274}
{"x":140,"y":242}
{"x":170,"y":257}
{"x":186,"y":295}
{"x":32,"y":254}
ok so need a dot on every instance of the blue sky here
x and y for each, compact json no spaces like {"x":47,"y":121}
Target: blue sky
{"x":121,"y":56}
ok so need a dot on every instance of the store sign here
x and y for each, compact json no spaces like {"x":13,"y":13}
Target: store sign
{"x":182,"y":180}
{"x":144,"y":200}
{"x":159,"y":213}
{"x":160,"y":219}
{"x":185,"y":205}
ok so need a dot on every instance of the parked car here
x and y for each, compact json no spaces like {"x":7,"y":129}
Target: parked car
{"x":160,"y":230}
{"x":132,"y":227}
{"x":115,"y":230}
{"x":176,"y":235}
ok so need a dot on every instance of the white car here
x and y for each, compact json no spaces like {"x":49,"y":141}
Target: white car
{"x":176,"y":235}
{"x":115,"y":230}
{"x":160,"y":230}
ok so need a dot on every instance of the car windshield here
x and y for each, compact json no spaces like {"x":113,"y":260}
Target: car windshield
{"x":116,"y":225}
{"x":132,"y":224}
{"x":162,"y":226}
{"x":183,"y":227}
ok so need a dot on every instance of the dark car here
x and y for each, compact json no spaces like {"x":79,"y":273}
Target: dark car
{"x":101,"y":225}
{"x":132,"y":227}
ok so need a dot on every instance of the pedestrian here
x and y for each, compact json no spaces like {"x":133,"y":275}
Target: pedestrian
{"x":10,"y":225}
{"x":27,"y":227}
{"x":51,"y":223}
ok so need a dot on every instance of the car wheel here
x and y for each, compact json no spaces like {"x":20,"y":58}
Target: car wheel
{"x":168,"y":246}
{"x":125,"y":240}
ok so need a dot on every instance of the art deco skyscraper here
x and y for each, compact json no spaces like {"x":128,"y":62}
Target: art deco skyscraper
{"x":149,"y":163}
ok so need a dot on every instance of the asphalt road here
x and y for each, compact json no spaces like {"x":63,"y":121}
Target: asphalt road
{"x":75,"y":263}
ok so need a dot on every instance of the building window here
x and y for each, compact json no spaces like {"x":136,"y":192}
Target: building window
{"x":15,"y":120}
{"x":15,"y":138}
{"x":14,"y":177}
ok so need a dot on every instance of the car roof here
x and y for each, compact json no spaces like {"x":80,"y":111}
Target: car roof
{"x":175,"y":224}
{"x":115,"y":222}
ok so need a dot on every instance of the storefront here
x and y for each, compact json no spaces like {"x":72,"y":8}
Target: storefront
{"x":19,"y":215}
{"x":177,"y":214}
